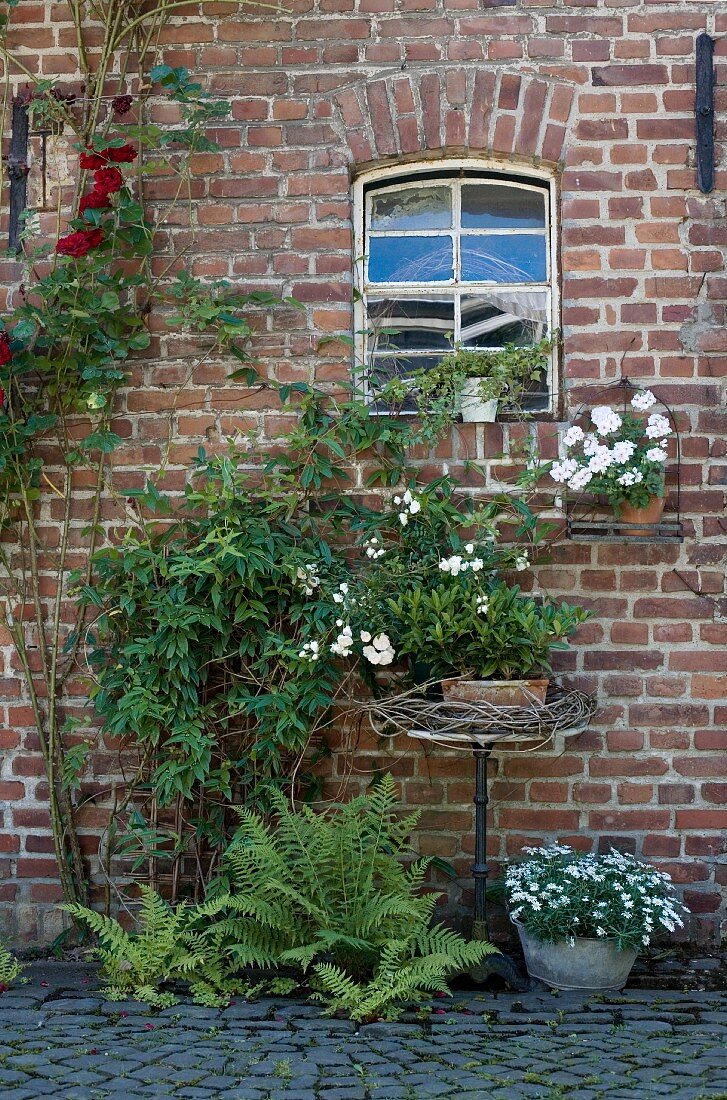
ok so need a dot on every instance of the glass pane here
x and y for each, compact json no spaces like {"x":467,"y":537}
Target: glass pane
{"x":418,"y":324}
{"x":511,"y":258}
{"x":507,"y":317}
{"x":415,"y":208}
{"x":498,"y":206}
{"x":410,"y":259}
{"x":383,"y":368}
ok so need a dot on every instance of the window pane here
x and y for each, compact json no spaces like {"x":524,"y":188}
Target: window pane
{"x":383,"y":368}
{"x":512,"y":258}
{"x":507,"y":317}
{"x":416,"y":208}
{"x":412,"y":324}
{"x":410,"y":259}
{"x":497,"y":206}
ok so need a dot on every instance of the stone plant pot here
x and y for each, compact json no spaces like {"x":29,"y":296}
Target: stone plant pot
{"x":590,"y":964}
{"x":472,"y":408}
{"x":651,"y":513}
{"x":501,"y":693}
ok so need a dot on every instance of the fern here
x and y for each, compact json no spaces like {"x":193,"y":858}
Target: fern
{"x":10,"y":968}
{"x":402,"y":975}
{"x":330,"y":892}
{"x":163,"y":949}
{"x":325,"y":893}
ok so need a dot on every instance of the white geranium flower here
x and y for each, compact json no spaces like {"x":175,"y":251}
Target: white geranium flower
{"x":656,"y":454}
{"x":403,"y":519}
{"x":580,"y":479}
{"x":470,"y":548}
{"x":605,"y":419}
{"x":414,"y":507}
{"x":407,"y":498}
{"x":623,"y":450}
{"x":643,"y":401}
{"x":397,"y":500}
{"x":600,"y":460}
{"x":365,"y":636}
{"x":573,"y":435}
{"x":561,"y":471}
{"x":590,"y":443}
{"x":381,"y":642}
{"x":657,"y":426}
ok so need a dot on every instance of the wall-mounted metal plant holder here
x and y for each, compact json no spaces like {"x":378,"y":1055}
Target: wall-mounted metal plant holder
{"x":585,"y":519}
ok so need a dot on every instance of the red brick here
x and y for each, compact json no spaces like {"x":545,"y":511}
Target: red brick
{"x":630,"y":75}
{"x":630,"y":794}
{"x":629,"y":820}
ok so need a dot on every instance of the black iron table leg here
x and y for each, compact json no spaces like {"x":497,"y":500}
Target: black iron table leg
{"x":498,"y":965}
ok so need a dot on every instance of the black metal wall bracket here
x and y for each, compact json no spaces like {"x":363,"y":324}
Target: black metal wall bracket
{"x":704,"y":113}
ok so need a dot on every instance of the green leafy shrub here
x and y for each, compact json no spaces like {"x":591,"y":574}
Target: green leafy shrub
{"x":429,"y":591}
{"x":10,"y":968}
{"x":501,"y":374}
{"x":328,"y":894}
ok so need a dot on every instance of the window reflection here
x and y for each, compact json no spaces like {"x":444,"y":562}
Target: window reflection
{"x":514,"y":258}
{"x":415,"y":324}
{"x":411,"y":259}
{"x":418,"y":208}
{"x":497,"y":206}
{"x":504,"y":317}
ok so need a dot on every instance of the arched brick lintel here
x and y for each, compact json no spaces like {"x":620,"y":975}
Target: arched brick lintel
{"x":514,"y":116}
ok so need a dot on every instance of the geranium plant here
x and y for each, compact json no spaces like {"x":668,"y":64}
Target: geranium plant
{"x":622,"y":458}
{"x":559,"y":895}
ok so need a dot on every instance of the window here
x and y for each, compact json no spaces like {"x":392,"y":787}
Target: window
{"x":457,"y":256}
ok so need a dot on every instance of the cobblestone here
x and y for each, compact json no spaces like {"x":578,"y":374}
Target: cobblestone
{"x":62,"y":1038}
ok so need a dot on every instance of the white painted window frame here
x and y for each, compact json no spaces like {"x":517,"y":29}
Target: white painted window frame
{"x":494,"y":172}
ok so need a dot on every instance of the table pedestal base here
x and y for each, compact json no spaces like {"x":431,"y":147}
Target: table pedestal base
{"x":496,"y":966}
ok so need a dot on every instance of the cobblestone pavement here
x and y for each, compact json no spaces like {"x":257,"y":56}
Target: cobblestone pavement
{"x":60,"y":1038}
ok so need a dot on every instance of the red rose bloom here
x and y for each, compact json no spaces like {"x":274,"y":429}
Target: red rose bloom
{"x":79,"y":243}
{"x":5,"y":352}
{"x":108,"y":180}
{"x":121,"y":104}
{"x":92,"y":159}
{"x":94,"y":200}
{"x":123,"y":155}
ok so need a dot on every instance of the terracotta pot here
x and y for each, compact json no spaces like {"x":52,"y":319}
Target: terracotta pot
{"x":501,"y":693}
{"x":650,"y":513}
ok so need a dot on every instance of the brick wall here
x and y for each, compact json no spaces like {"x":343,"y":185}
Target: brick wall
{"x":603,"y":92}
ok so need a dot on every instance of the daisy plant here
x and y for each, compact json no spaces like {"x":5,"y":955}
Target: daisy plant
{"x":558,"y":894}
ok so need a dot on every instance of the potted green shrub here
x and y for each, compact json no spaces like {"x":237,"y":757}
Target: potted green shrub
{"x":488,"y":378}
{"x":470,"y":383}
{"x":583,"y":919}
{"x":622,"y":458}
{"x":431,"y":596}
